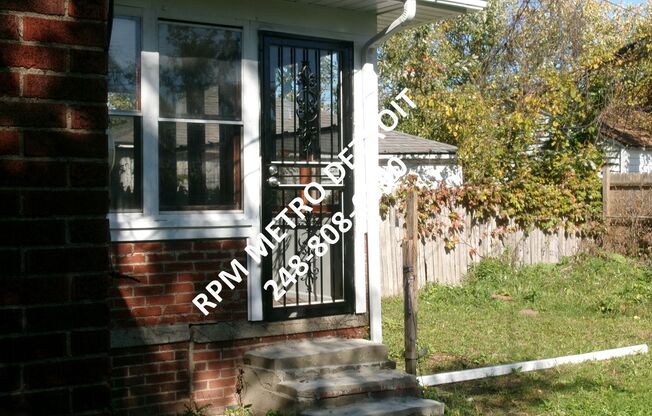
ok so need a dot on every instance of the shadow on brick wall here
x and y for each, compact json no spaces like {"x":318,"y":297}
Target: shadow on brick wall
{"x":151,"y":313}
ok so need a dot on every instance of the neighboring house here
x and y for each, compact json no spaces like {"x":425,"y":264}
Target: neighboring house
{"x":199,"y":165}
{"x":626,"y":137}
{"x":432,"y":162}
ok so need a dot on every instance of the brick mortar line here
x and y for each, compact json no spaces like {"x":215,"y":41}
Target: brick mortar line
{"x":76,"y":302}
{"x":66,"y":246}
{"x":67,"y":161}
{"x":52,"y":45}
{"x":23,"y":70}
{"x":60,"y":188}
{"x":31,"y":219}
{"x":57,"y":188}
{"x":58,"y":17}
{"x":51,"y":129}
{"x":62,"y":101}
{"x":18,"y":393}
{"x":51,"y":332}
{"x":58,"y":359}
{"x":21,"y":28}
{"x":59,"y":247}
{"x":60,"y":217}
{"x":61,"y":330}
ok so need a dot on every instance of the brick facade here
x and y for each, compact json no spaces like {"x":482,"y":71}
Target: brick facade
{"x":171,"y":274}
{"x":54,"y":316}
{"x":161,"y":378}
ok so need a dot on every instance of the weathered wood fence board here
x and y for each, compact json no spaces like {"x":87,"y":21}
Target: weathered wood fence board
{"x":627,"y":201}
{"x":437,"y":265}
{"x":627,"y":195}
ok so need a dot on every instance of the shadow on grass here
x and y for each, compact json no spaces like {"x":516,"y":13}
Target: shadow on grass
{"x":517,"y":394}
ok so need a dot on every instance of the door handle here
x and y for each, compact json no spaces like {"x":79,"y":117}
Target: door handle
{"x":273,"y":181}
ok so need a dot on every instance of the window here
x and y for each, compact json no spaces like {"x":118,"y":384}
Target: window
{"x":199,"y":144}
{"x":125,"y":142}
{"x":196,"y":131}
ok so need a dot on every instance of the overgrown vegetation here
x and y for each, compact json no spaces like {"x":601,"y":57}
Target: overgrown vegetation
{"x":520,"y":89}
{"x":504,"y":314}
{"x":193,"y":409}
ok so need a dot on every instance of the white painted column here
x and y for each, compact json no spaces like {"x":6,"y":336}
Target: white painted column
{"x":251,"y":162}
{"x":360,"y":185}
{"x":370,"y":98}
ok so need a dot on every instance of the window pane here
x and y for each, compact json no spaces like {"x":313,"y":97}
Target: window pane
{"x":199,"y":166}
{"x":124,"y":159}
{"x":124,"y":64}
{"x":200,"y":76}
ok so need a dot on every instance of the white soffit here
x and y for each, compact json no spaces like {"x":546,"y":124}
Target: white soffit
{"x":388,"y":10}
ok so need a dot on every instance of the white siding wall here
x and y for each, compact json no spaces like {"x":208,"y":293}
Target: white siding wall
{"x":628,"y":159}
{"x":639,"y":161}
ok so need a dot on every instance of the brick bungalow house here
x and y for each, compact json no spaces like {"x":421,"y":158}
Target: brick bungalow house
{"x":132,"y":174}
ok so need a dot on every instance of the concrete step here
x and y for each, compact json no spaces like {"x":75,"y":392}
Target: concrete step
{"x":340,"y":387}
{"x":385,"y":407}
{"x":269,"y":378}
{"x":316,"y":353}
{"x":313,"y":372}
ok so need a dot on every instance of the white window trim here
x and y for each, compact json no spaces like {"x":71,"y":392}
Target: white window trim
{"x":153,"y":224}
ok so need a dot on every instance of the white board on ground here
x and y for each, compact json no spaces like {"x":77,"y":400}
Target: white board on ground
{"x":501,"y":370}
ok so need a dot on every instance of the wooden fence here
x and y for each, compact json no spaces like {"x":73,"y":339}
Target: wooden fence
{"x":627,"y":196}
{"x":627,"y":200}
{"x":436,"y":264}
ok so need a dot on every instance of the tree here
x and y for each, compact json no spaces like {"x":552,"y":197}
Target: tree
{"x":519,"y":88}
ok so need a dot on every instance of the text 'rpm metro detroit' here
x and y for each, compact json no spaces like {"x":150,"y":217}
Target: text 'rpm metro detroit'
{"x":318,"y":245}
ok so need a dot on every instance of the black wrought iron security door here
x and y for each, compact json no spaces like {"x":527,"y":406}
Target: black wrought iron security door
{"x":307,"y":122}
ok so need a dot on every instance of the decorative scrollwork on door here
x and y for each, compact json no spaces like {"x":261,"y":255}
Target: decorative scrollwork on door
{"x":313,"y":225}
{"x":308,"y":111}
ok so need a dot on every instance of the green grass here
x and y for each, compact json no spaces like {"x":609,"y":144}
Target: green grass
{"x":503,"y":314}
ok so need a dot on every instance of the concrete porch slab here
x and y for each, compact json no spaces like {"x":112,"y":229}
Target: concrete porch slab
{"x":316,"y":353}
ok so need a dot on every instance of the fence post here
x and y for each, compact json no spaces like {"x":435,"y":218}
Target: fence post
{"x":606,"y":190}
{"x":409,"y":283}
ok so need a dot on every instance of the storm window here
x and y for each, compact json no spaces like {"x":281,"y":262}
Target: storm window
{"x":200,"y":116}
{"x":192,"y":91}
{"x":125,"y":162}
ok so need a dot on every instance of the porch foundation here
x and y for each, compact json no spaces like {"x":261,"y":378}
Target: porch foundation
{"x":165,"y":353}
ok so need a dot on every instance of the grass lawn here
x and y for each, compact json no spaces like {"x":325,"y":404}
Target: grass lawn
{"x":503,"y":314}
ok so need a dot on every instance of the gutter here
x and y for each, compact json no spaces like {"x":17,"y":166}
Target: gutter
{"x":370,"y":139}
{"x":409,"y":12}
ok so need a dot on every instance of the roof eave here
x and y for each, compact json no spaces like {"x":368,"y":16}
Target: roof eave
{"x":460,"y":4}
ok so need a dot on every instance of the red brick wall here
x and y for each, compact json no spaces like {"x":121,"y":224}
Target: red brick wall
{"x":151,"y":380}
{"x":53,"y":202}
{"x":171,"y":274}
{"x":161,"y":379}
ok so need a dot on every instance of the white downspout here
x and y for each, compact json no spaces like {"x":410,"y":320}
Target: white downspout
{"x":409,"y":12}
{"x":370,"y":108}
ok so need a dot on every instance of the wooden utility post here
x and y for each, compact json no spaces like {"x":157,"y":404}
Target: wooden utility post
{"x":606,"y":190}
{"x":409,"y":283}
